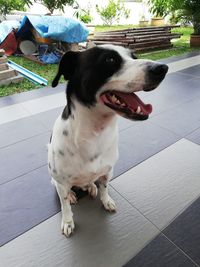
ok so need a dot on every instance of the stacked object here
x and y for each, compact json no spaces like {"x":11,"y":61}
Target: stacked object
{"x":7,"y":74}
{"x":138,"y":39}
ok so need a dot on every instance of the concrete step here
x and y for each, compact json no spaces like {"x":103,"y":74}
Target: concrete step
{"x":5,"y":74}
{"x":3,"y":66}
{"x":15,"y":79}
{"x":3,"y":59}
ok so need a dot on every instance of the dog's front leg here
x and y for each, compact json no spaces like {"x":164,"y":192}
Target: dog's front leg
{"x":67,"y":224}
{"x":106,"y":200}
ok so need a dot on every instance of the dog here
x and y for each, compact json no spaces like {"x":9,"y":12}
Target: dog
{"x":83,"y":149}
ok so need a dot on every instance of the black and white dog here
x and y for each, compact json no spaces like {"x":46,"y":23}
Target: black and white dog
{"x":102,"y":82}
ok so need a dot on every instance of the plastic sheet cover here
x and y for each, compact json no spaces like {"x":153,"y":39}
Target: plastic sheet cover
{"x":56,"y":28}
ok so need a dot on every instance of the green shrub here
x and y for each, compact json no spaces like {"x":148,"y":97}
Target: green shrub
{"x":112,"y":12}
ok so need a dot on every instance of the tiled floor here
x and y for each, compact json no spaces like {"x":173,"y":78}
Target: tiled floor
{"x":156,"y":184}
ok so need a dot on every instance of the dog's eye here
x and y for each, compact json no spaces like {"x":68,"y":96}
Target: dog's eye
{"x":110,"y":60}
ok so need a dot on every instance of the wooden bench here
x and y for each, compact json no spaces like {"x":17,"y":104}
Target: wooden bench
{"x":138,"y":39}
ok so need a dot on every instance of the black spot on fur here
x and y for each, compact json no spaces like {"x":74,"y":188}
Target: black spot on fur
{"x":50,"y":139}
{"x":61,"y":152}
{"x":49,"y":166}
{"x":65,"y":132}
{"x":94,"y":157}
{"x":70,"y":152}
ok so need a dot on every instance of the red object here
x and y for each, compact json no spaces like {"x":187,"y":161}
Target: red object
{"x":9,"y":44}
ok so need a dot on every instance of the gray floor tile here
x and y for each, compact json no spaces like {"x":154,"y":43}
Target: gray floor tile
{"x":13,"y":112}
{"x":46,"y":103}
{"x":19,"y":130}
{"x":184,"y":231}
{"x":181,"y":120}
{"x":194,"y":71}
{"x":184,"y":64}
{"x":48,"y":118}
{"x":23,"y":157}
{"x":101,"y":239}
{"x":179,"y":57}
{"x":140,"y":142}
{"x":25,"y":202}
{"x":171,"y":94}
{"x":162,"y":186}
{"x":194,"y":136}
{"x":33,"y":94}
{"x":160,"y":253}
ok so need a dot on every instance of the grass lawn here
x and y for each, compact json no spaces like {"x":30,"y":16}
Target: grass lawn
{"x":181,"y":46}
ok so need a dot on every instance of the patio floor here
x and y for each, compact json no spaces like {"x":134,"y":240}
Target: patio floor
{"x":156,"y":183}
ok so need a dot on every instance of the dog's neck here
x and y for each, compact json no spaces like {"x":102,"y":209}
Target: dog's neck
{"x":92,"y":121}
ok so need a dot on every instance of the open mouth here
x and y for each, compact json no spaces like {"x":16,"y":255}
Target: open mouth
{"x":128,"y":105}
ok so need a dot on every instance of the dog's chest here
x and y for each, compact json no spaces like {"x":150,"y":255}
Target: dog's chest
{"x":82,"y":161}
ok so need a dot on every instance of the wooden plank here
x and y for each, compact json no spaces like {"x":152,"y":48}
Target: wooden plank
{"x":114,"y":43}
{"x":156,"y":47}
{"x":171,"y":35}
{"x":7,"y":74}
{"x":3,"y":66}
{"x":150,"y":43}
{"x":146,"y":33}
{"x":3,"y":59}
{"x":110,"y":34}
{"x":153,"y":28}
{"x":130,"y":39}
{"x":156,"y":38}
{"x":130,"y":35}
{"x":15,"y":79}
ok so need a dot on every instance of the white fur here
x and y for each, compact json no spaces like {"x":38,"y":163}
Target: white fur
{"x":88,"y":150}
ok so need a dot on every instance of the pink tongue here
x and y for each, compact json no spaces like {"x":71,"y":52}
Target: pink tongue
{"x":133,"y":101}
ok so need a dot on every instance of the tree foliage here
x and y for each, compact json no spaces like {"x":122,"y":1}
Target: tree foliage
{"x":56,"y":4}
{"x":159,"y":8}
{"x":187,"y":10}
{"x":112,"y":12}
{"x":82,"y":13}
{"x":6,"y":6}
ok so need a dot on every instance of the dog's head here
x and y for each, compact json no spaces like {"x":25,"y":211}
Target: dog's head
{"x":110,"y":75}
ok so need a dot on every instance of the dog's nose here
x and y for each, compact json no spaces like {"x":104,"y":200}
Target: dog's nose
{"x":158,"y":70}
{"x":155,"y":73}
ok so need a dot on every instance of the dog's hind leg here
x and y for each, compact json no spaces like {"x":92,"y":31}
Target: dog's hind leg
{"x":106,"y":200}
{"x":92,"y":190}
{"x":67,"y":224}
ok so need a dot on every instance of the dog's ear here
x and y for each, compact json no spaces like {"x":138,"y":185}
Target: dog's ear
{"x":66,"y":67}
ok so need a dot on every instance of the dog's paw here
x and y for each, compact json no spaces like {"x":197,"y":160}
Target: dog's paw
{"x":109,"y":204}
{"x":92,"y":190}
{"x":72,"y":197}
{"x":67,"y":227}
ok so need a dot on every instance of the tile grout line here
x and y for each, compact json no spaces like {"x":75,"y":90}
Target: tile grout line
{"x":25,"y":173}
{"x":24,"y":139}
{"x":181,"y":250}
{"x":129,"y":168}
{"x":160,"y":231}
{"x":26,"y":231}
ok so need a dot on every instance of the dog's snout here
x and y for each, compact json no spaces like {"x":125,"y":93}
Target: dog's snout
{"x":155,"y":73}
{"x":157,"y":70}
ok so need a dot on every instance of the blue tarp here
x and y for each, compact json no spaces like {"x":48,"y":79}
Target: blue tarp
{"x":55,"y":27}
{"x":6,"y":27}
